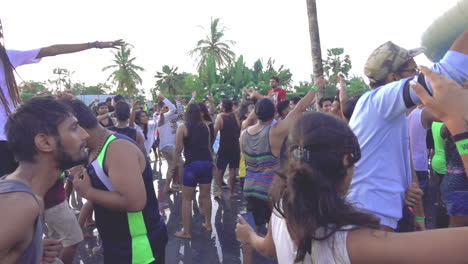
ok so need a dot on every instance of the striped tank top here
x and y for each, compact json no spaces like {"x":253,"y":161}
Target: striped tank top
{"x":260,"y":163}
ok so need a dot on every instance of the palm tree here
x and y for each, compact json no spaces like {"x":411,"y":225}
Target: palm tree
{"x":169,"y":80}
{"x":215,"y":45}
{"x":315,"y":42}
{"x":125,"y":74}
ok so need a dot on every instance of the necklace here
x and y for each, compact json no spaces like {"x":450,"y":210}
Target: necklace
{"x":102,"y":140}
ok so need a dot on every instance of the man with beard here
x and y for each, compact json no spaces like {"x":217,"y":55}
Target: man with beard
{"x":119,"y":182}
{"x":45,"y":139}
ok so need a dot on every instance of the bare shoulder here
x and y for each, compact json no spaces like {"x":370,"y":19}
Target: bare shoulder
{"x":20,"y":200}
{"x":123,"y":148}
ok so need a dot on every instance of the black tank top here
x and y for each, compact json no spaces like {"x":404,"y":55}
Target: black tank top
{"x":126,"y":131}
{"x":129,"y":237}
{"x":196,"y":144}
{"x":109,"y":124}
{"x":230,"y":133}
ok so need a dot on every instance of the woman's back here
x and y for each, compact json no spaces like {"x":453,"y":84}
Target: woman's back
{"x":196,"y":143}
{"x":330,"y":251}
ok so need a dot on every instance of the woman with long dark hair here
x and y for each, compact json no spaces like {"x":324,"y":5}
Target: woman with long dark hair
{"x":147,"y":128}
{"x":313,"y":223}
{"x":193,"y":137}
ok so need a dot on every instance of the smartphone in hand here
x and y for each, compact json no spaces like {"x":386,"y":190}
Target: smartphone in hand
{"x":250,"y":219}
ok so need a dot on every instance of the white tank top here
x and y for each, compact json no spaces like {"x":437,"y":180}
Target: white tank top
{"x":330,"y":251}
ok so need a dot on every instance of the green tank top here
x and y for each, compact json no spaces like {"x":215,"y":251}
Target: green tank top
{"x":438,"y":160}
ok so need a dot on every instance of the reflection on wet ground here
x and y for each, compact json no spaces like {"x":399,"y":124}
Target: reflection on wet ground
{"x":219,"y":246}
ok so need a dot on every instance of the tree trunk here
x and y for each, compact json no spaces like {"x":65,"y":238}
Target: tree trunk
{"x":317,"y":67}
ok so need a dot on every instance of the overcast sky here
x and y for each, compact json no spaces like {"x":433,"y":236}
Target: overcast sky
{"x":163,"y":32}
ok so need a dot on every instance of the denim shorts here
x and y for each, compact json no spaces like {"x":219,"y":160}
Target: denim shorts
{"x":456,"y":202}
{"x":198,"y":172}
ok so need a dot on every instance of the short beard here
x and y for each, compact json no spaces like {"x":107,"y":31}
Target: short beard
{"x":64,"y":159}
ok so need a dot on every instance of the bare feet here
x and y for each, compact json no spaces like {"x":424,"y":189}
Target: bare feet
{"x":207,"y":227}
{"x":183,"y":235}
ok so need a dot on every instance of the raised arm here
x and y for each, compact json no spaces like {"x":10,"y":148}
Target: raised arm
{"x":461,"y":43}
{"x":218,"y":125}
{"x":343,"y":93}
{"x":72,"y":48}
{"x":449,"y":105}
{"x":282,"y":128}
{"x":131,"y":121}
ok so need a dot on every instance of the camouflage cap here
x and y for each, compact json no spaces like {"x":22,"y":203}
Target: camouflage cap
{"x":387,"y":58}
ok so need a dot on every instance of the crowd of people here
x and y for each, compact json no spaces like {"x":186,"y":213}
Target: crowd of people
{"x":348,"y":183}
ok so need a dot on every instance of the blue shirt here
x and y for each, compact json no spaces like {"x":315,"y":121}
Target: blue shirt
{"x":383,"y":174}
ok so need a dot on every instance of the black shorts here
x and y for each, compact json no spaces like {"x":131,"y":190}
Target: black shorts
{"x":233,"y":160}
{"x":261,"y":210}
{"x":7,"y":160}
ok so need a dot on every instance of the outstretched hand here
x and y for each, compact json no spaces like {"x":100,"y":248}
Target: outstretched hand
{"x":448,"y":103}
{"x":116,"y":44}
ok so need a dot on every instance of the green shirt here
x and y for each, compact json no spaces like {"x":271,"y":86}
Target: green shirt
{"x":438,"y":160}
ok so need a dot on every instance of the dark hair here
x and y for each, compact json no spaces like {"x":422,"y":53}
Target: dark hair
{"x":274,"y":78}
{"x":122,"y":111}
{"x":161,"y":104}
{"x":349,"y":106}
{"x":12,"y":87}
{"x":101,"y":104}
{"x":192,"y":117}
{"x":108,"y":99}
{"x":281,"y":106}
{"x":138,"y":122}
{"x":295,"y":100}
{"x":85,"y":116}
{"x":235,"y":103}
{"x":244,"y":109}
{"x":205,"y":113}
{"x":310,"y":194}
{"x":118,"y":98}
{"x":265,"y":109}
{"x":227,"y":104}
{"x":323,"y":100}
{"x":38,"y":115}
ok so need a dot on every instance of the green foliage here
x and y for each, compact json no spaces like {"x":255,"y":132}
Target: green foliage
{"x":30,"y":89}
{"x":214,"y":45}
{"x":303,"y":87}
{"x":356,"y":86}
{"x":125,"y":75}
{"x":169,"y":81}
{"x":335,"y":63}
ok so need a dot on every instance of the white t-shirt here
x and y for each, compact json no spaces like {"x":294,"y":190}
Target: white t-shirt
{"x":17,"y":58}
{"x":167,"y":132}
{"x":330,"y":251}
{"x":152,"y":126}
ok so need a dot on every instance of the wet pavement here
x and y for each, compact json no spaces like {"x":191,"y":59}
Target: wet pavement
{"x":219,"y":246}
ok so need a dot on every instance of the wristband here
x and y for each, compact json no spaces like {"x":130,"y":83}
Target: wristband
{"x":65,"y":174}
{"x":192,"y":99}
{"x":462,"y":146}
{"x":313,"y":87}
{"x":419,"y":219}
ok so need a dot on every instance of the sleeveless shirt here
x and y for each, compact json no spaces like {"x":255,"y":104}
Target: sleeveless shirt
{"x":33,"y":252}
{"x":128,"y":237}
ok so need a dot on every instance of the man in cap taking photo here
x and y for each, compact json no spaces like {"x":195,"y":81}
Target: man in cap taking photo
{"x":384,"y":172}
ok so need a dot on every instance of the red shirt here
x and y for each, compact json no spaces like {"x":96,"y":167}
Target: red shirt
{"x":281,"y":93}
{"x":55,"y":195}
